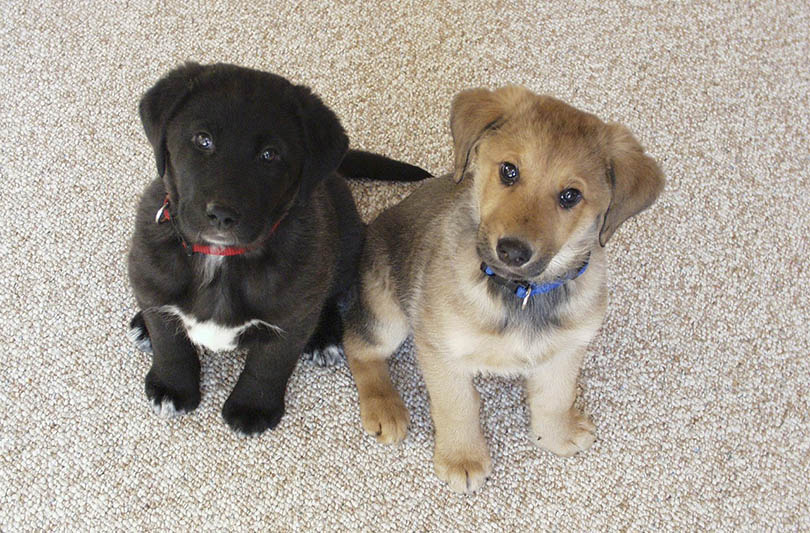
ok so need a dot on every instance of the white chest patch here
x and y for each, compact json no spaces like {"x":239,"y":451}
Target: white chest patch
{"x":215,"y":337}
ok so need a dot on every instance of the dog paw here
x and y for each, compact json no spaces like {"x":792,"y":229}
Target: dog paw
{"x":463,"y":471}
{"x":138,"y":334}
{"x":325,"y":356}
{"x":167,"y":408}
{"x":250,"y":420}
{"x":168,"y":401}
{"x":385,"y":417}
{"x":564,"y":434}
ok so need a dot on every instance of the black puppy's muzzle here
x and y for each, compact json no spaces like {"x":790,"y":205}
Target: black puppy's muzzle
{"x":222,"y":217}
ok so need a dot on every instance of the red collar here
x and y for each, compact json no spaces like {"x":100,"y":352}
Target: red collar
{"x":164,"y":215}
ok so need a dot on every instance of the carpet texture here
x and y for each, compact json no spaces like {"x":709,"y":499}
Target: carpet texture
{"x":697,"y":383}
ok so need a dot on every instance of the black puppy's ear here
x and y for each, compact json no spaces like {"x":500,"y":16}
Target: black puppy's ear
{"x":161,"y":102}
{"x":325,"y":139}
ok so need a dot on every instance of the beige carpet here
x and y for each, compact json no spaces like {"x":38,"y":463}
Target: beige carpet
{"x":698,"y":382}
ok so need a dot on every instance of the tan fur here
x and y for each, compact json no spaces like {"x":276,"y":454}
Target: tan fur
{"x":420,"y":273}
{"x":381,"y":409}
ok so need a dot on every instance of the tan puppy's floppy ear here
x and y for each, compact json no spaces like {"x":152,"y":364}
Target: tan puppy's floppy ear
{"x":473,"y":113}
{"x":634,"y":178}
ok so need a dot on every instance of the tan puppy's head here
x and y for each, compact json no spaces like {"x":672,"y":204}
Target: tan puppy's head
{"x":551,"y":182}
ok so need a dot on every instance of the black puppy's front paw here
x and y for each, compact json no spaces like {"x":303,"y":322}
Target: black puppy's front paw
{"x":167,"y":400}
{"x":250,"y":420}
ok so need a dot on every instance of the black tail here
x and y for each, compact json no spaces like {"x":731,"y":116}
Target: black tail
{"x":360,"y":164}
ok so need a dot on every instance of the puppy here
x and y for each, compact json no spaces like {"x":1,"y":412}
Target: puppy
{"x":247,"y":239}
{"x":497,"y":269}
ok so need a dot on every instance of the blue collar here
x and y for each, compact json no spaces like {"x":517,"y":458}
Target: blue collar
{"x":527,"y":289}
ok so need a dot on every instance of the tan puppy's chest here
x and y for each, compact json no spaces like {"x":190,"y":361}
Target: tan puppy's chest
{"x":516,"y":350}
{"x":475,"y":331}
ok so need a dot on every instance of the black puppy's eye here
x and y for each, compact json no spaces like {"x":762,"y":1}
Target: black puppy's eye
{"x":269,"y":155}
{"x":509,"y":174}
{"x":203,"y":141}
{"x":569,"y":198}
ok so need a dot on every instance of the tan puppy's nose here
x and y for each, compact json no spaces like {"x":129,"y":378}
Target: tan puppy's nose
{"x":513,"y":252}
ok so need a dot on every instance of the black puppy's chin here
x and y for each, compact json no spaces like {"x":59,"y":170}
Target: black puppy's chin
{"x":219,"y":238}
{"x":196,"y":229}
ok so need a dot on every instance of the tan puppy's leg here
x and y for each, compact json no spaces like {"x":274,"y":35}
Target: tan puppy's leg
{"x":556,"y":424}
{"x":461,"y":456}
{"x":382,"y":411}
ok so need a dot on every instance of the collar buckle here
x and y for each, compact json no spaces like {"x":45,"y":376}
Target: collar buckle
{"x":526,"y":298}
{"x":525,"y":290}
{"x":159,"y":216}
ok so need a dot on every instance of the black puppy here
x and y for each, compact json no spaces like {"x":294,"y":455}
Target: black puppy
{"x":249,"y":237}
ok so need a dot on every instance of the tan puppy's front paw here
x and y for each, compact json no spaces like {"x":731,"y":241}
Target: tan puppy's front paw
{"x":385,"y":417}
{"x":564,"y":434}
{"x":464,"y":472}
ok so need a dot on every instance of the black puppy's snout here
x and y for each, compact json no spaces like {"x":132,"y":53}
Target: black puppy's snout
{"x":513,"y":252}
{"x":220,"y":216}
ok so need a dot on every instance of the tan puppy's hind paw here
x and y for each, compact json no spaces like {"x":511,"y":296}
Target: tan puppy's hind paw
{"x":464,"y":473}
{"x":564,"y":434}
{"x":385,"y":417}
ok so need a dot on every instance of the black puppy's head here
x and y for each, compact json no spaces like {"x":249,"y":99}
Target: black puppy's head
{"x":236,"y":147}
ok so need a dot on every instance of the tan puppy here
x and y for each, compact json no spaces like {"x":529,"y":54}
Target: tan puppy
{"x":538,"y":189}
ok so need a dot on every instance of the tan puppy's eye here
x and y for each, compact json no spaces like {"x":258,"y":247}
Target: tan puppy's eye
{"x":509,"y":174}
{"x":203,"y":141}
{"x":569,"y":198}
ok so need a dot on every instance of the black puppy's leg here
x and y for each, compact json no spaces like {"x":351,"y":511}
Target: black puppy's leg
{"x":257,"y":400}
{"x":138,"y":333}
{"x":324,"y":347}
{"x":173,"y":382}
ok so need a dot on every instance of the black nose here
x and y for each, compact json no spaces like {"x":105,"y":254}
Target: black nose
{"x":221,"y":217}
{"x":513,"y":252}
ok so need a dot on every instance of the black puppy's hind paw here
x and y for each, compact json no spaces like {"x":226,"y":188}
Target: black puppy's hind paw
{"x":325,"y":347}
{"x":250,"y":420}
{"x":138,"y":333}
{"x":324,"y":356}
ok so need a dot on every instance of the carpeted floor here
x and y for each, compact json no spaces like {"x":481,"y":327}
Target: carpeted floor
{"x":698,"y":382}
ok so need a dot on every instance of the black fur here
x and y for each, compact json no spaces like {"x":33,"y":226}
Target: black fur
{"x":365,"y":165}
{"x":324,"y":345}
{"x":292,"y":278}
{"x":138,"y":333}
